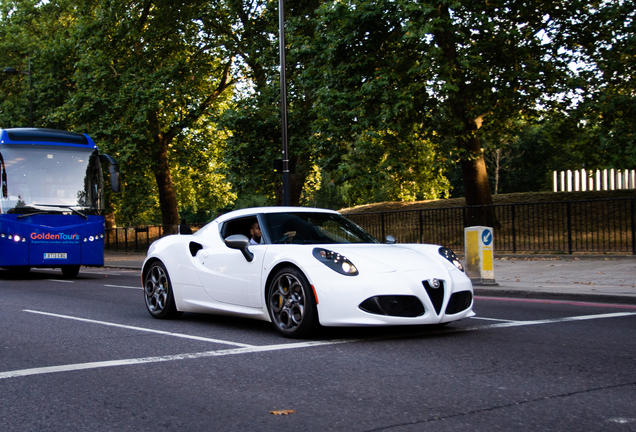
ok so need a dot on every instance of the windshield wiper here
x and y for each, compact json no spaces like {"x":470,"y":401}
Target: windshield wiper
{"x":77,"y":212}
{"x":23,"y":215}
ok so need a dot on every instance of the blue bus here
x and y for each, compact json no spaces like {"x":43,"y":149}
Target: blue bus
{"x":52,"y":200}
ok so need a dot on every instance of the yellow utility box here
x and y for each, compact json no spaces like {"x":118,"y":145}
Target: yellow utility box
{"x":479,"y":242}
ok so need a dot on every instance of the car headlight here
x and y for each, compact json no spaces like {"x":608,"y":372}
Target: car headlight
{"x":450,"y":255}
{"x":335,"y":261}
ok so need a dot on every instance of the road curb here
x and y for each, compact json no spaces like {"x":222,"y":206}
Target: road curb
{"x":123,"y":266}
{"x":542,"y":295}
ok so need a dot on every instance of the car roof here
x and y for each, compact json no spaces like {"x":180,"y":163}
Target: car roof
{"x":256,"y":210}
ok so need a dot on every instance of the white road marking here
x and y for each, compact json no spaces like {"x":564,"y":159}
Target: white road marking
{"x":161,"y":332}
{"x":101,"y":273}
{"x":123,"y":286}
{"x":61,"y":280}
{"x":621,"y":420}
{"x":551,"y":321}
{"x":127,"y":362}
{"x":493,"y":319}
{"x":255,"y":349}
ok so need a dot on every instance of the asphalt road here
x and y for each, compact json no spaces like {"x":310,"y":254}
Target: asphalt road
{"x":85,"y":355}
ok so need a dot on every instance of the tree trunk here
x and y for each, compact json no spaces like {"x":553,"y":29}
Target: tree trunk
{"x":296,"y":184}
{"x":161,"y":167}
{"x":109,"y":220}
{"x":475,"y":174}
{"x":476,"y":186}
{"x":109,"y":215}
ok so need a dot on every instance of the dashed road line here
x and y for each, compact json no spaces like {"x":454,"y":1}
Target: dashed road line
{"x":100,"y":273}
{"x":493,"y":319}
{"x":123,"y":286}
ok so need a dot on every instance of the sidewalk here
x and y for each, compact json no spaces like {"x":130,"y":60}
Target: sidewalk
{"x":607,"y":279}
{"x":583,"y":278}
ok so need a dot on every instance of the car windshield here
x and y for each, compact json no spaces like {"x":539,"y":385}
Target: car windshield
{"x":50,"y":178}
{"x":314,"y":228}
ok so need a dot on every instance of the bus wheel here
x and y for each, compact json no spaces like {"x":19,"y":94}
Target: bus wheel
{"x":70,"y":272}
{"x":19,"y":270}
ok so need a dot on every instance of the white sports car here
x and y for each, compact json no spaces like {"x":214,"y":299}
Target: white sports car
{"x":311,"y":267}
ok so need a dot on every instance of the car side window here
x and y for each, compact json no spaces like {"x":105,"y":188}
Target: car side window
{"x":238,"y":226}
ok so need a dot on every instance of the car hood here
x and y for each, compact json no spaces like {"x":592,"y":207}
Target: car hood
{"x":385,"y":258}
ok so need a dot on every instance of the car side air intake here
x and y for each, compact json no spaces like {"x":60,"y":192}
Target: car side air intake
{"x":393,"y":305}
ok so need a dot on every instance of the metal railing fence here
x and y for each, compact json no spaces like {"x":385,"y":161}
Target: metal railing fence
{"x":607,"y":225}
{"x":137,"y":239}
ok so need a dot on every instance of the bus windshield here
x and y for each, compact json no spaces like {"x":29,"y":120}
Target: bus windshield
{"x":47,"y":179}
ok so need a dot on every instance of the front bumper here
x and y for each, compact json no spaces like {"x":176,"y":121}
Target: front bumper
{"x":391,"y":298}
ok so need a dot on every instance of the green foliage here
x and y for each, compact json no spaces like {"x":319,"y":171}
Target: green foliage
{"x":42,"y":32}
{"x":143,"y":79}
{"x":605,"y":115}
{"x":366,"y":155}
{"x":386,"y":98}
{"x":472,"y":76}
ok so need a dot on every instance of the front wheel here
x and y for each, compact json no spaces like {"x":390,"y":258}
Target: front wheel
{"x":291,"y":304}
{"x":70,"y":272}
{"x":158,"y":292}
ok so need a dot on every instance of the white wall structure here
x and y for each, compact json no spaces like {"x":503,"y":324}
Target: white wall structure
{"x":582,"y":180}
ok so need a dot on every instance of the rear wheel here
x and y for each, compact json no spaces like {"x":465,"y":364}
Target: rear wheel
{"x":291,"y":304}
{"x":158,"y":292}
{"x":70,"y":272}
{"x":20,"y":270}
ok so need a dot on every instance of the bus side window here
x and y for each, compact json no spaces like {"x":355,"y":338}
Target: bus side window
{"x":3,"y":179}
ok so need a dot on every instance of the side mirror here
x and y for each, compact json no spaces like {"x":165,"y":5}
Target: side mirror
{"x":390,"y":239}
{"x":240,"y":242}
{"x":113,"y":169}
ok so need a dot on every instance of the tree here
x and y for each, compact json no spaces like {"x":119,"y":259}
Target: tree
{"x":254,"y":121}
{"x":608,"y":105}
{"x":140,"y":77}
{"x":151,"y":71}
{"x":41,"y":32}
{"x":372,"y":162}
{"x":458,"y":69}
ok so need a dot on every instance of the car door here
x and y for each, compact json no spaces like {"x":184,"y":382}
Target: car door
{"x":228,"y":277}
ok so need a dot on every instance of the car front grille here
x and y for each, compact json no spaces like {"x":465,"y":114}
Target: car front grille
{"x":393,"y":305}
{"x":435,"y":294}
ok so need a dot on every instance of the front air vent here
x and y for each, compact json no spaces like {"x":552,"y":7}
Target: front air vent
{"x":435,"y":294}
{"x":394,"y":305}
{"x":458,"y":302}
{"x":194,"y":248}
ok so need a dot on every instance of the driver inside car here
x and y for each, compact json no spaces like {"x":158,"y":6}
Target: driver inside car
{"x":255,"y":233}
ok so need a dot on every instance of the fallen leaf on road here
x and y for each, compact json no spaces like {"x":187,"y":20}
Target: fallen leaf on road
{"x":282,"y":412}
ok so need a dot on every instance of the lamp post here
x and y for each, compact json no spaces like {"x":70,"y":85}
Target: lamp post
{"x":283,"y":103}
{"x":14,"y":71}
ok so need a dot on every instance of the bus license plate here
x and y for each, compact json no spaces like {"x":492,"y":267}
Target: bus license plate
{"x":55,"y":255}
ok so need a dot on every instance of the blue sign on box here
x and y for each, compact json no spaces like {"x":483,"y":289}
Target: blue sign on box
{"x":486,"y":237}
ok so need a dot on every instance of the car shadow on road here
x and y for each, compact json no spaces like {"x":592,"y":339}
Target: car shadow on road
{"x":262,"y":329}
{"x":27,"y":274}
